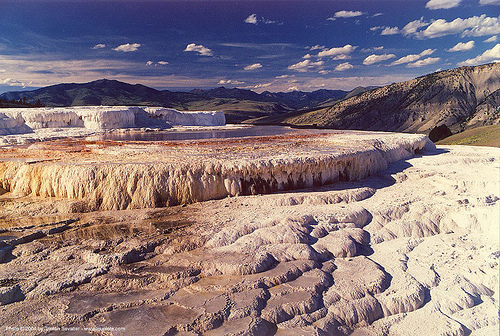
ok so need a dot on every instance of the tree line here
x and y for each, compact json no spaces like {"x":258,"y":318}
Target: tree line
{"x":19,"y":103}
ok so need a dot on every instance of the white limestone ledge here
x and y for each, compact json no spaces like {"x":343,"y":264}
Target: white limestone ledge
{"x":128,"y":176}
{"x":20,"y":120}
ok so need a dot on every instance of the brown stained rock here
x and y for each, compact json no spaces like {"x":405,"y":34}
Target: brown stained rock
{"x":342,"y":243}
{"x":355,"y":278}
{"x":149,"y":320}
{"x":284,"y":304}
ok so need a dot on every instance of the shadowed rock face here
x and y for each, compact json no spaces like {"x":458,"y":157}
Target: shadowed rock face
{"x":459,"y":98}
{"x":412,"y":250}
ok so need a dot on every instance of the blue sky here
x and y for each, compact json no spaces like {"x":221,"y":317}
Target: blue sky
{"x":259,"y":45}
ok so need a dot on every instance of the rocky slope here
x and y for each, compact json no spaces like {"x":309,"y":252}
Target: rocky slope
{"x":460,"y":98}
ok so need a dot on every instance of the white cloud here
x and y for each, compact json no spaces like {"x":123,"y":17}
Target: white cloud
{"x":490,"y":55}
{"x":307,"y":56}
{"x":473,"y":26}
{"x":347,"y":49}
{"x":306,"y":65}
{"x":390,"y":31}
{"x":159,"y":63}
{"x":341,"y":57}
{"x":252,"y":19}
{"x":230,"y":82}
{"x":442,"y":4}
{"x":424,"y":62}
{"x":372,"y":59}
{"x":413,"y":57}
{"x":489,"y":2}
{"x":14,"y":82}
{"x":99,"y":46}
{"x":372,"y":49}
{"x":200,"y":49}
{"x":491,"y":39}
{"x":460,"y":46}
{"x":343,"y":67}
{"x":254,"y":66}
{"x":127,"y":47}
{"x":427,"y":52}
{"x":378,"y":14}
{"x":317,"y":47}
{"x":413,"y":26}
{"x":347,"y":14}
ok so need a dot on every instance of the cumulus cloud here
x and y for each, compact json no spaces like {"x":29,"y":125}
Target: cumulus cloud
{"x":347,"y":14}
{"x":200,"y":49}
{"x":442,"y":4}
{"x":99,"y":46}
{"x":306,"y":65}
{"x":372,"y":49}
{"x":372,"y":59}
{"x":491,"y":39}
{"x":490,"y":55}
{"x":344,"y":66}
{"x":252,"y":19}
{"x":317,"y":47}
{"x":230,"y":82}
{"x":336,"y":51}
{"x":254,"y":66}
{"x":128,"y":47}
{"x":14,"y":82}
{"x":489,"y":2}
{"x":424,"y":62}
{"x":473,"y":26}
{"x":159,"y":63}
{"x":390,"y":31}
{"x":413,"y":57}
{"x":460,"y":46}
{"x":413,"y":26}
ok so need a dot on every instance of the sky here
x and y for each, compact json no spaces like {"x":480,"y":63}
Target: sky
{"x":259,"y":45}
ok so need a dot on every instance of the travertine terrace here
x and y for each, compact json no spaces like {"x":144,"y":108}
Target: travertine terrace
{"x":116,"y":176}
{"x":315,"y":233}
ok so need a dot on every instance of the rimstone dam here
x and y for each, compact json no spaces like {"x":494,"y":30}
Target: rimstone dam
{"x":301,"y":232}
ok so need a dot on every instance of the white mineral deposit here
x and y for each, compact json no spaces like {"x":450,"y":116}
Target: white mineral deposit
{"x":319,"y":233}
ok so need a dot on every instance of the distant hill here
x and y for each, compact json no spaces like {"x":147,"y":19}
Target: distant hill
{"x":461,"y":98}
{"x":238,"y":104}
{"x":101,"y":92}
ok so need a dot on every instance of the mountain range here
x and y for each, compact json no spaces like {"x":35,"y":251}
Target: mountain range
{"x":238,"y":104}
{"x":441,"y":103}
